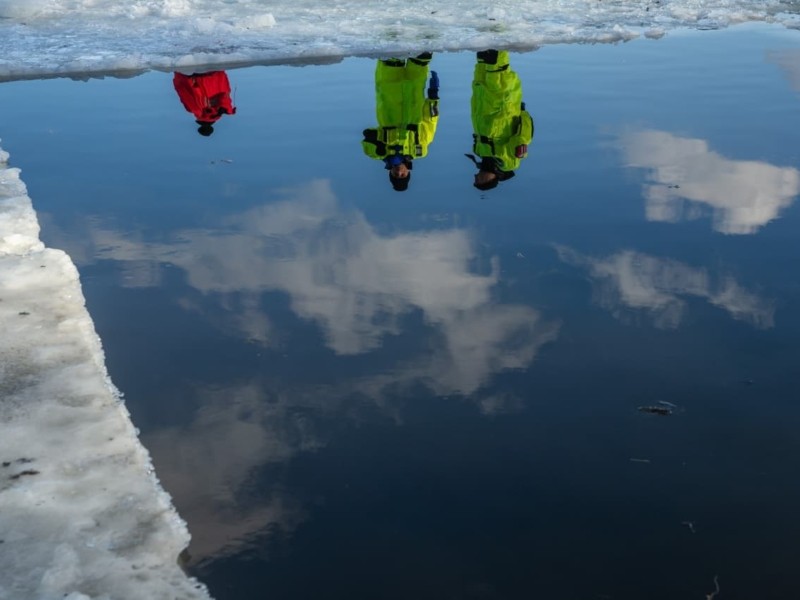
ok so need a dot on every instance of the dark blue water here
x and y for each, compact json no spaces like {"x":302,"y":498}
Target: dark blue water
{"x":356,"y":393}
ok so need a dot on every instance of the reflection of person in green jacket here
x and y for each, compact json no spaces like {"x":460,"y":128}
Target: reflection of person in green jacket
{"x":406,"y":116}
{"x":502,"y":127}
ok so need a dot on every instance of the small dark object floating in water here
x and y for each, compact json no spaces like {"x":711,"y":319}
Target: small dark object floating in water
{"x":23,"y":473}
{"x":656,"y":410}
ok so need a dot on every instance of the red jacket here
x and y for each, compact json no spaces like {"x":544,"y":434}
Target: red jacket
{"x":206,"y":95}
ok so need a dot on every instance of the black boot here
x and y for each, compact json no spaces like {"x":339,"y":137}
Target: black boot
{"x":488,"y":56}
{"x":422,"y":59}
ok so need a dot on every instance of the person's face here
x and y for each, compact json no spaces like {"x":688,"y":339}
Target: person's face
{"x":482,"y":177}
{"x":400,"y":171}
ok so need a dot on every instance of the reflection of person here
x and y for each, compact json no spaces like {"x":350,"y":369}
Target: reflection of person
{"x":406,"y":116}
{"x":502,"y":128}
{"x":206,"y":95}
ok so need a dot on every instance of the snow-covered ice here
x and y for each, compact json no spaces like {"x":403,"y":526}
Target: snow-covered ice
{"x":70,"y":37}
{"x":82,"y":515}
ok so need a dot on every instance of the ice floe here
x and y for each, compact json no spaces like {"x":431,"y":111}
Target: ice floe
{"x":82,"y":514}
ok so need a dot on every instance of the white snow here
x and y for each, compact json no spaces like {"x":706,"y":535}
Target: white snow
{"x":59,"y":37}
{"x":82,"y":515}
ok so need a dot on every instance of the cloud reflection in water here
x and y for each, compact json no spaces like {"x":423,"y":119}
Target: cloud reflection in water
{"x":789,"y":63}
{"x":355,"y":283}
{"x":685,"y":178}
{"x":632,"y":280}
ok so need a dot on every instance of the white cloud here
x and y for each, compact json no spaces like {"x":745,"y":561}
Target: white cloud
{"x":686,"y":179}
{"x":658,"y":286}
{"x":355,"y":283}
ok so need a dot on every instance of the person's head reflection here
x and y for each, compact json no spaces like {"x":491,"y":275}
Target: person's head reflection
{"x":502,"y":128}
{"x":207,"y":96}
{"x":407,"y":116}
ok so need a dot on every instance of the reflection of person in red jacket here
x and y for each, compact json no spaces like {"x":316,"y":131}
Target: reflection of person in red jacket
{"x":206,"y":95}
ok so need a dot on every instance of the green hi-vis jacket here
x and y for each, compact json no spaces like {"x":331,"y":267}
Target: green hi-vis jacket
{"x":502,"y":127}
{"x":406,"y":118}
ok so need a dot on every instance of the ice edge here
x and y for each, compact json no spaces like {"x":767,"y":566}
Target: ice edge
{"x":82,"y":513}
